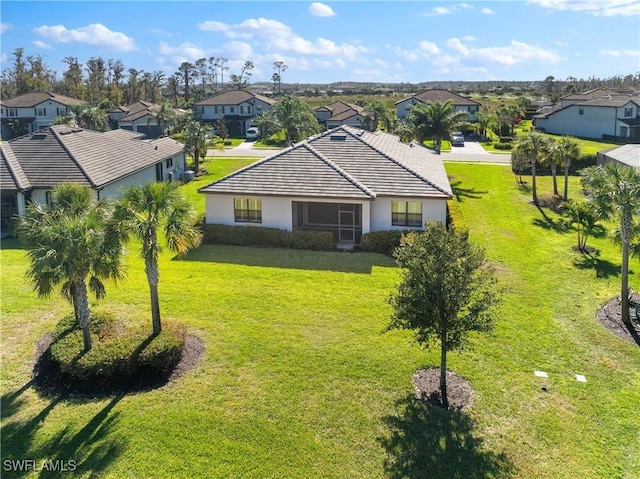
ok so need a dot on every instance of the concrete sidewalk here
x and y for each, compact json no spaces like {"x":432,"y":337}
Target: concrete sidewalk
{"x":246,"y":148}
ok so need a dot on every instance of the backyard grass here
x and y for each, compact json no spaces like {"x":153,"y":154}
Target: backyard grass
{"x":298,"y":379}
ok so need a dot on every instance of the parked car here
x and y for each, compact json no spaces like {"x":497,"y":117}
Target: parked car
{"x":253,"y":133}
{"x":457,"y":139}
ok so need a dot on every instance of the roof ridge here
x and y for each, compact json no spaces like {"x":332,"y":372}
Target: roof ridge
{"x":72,"y":157}
{"x":399,"y":163}
{"x":6,"y":151}
{"x":364,"y":188}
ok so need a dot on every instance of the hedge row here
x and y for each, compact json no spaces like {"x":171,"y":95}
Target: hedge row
{"x":455,"y":219}
{"x":384,"y":242}
{"x":262,"y":236}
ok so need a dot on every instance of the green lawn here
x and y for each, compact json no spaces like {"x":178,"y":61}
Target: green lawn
{"x":299,"y":381}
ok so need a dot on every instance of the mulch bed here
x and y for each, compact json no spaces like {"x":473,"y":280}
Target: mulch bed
{"x":610,"y":316}
{"x":427,"y":386}
{"x":49,"y":381}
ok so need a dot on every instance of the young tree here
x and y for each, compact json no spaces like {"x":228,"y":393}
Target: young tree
{"x":68,"y":245}
{"x":615,"y":193}
{"x":550,"y":158}
{"x":195,"y":140}
{"x":291,"y":114}
{"x":447,"y":290}
{"x":375,"y":113}
{"x":566,"y":150}
{"x":584,"y":216}
{"x":146,"y":210}
{"x":435,"y":121}
{"x":532,"y":146}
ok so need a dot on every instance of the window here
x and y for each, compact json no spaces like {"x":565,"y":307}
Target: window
{"x":406,"y":213}
{"x":169,"y":163}
{"x":62,"y":112}
{"x":40,"y":111}
{"x":218,"y":109}
{"x":581,"y":110}
{"x":12,"y":112}
{"x":247,"y":211}
{"x":232,"y":109}
{"x":245,"y":109}
{"x":628,"y":111}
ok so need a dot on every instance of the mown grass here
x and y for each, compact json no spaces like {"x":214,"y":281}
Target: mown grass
{"x":299,"y":381}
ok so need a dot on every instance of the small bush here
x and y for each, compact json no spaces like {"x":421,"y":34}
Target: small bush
{"x":312,"y":240}
{"x":384,"y":242}
{"x":455,"y":219}
{"x":503,"y":146}
{"x":120,"y":351}
{"x":263,"y":236}
{"x":505,"y":139}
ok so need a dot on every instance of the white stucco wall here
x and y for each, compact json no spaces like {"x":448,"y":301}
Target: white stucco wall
{"x":208,"y":112}
{"x":52,"y":108}
{"x":593,"y":123}
{"x":432,"y":209}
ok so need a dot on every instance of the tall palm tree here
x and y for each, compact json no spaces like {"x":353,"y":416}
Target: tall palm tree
{"x":292,"y":115}
{"x":69,"y":245}
{"x":376,"y":112}
{"x":92,"y":118}
{"x":532,"y":146}
{"x":164,"y":114}
{"x":436,"y":121}
{"x":615,"y":192}
{"x":550,"y":158}
{"x":195,"y":140}
{"x":567,"y":150}
{"x":146,"y":210}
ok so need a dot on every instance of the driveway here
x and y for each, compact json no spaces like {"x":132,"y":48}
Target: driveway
{"x":473,"y":151}
{"x":246,"y":148}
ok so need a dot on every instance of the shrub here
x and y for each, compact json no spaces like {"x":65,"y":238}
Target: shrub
{"x":384,"y":242}
{"x":503,"y":146}
{"x":121,"y":352}
{"x":313,"y":240}
{"x":551,"y":201}
{"x":455,"y":219}
{"x":263,"y":236}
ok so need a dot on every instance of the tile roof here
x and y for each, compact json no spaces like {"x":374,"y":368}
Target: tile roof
{"x":60,"y":153}
{"x":438,"y":95}
{"x":32,"y":99}
{"x":234,"y":97}
{"x":344,"y":162}
{"x":341,"y":110}
{"x":12,"y":176}
{"x":627,"y":154}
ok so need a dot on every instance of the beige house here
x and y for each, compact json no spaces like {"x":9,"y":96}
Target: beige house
{"x":438,"y":95}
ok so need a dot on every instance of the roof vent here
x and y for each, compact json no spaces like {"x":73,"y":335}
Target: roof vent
{"x":339,"y":137}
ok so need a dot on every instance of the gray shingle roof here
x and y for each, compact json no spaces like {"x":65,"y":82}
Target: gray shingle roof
{"x":627,"y":154}
{"x":343,"y":162}
{"x":437,"y":95}
{"x":234,"y":97}
{"x":32,"y":99}
{"x":12,"y":176}
{"x":60,"y":153}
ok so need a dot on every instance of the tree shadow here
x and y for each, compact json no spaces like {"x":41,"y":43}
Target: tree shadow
{"x":430,"y":442}
{"x":549,"y":223}
{"x":602,"y":267}
{"x":460,"y":192}
{"x":85,"y":452}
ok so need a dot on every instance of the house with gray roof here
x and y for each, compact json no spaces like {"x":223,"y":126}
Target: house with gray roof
{"x":141,"y":117}
{"x":239,"y":108}
{"x":628,"y":155}
{"x":339,"y":113}
{"x":597,"y":114}
{"x":32,"y":112}
{"x":439,"y":95}
{"x":346,"y":180}
{"x":31,"y":165}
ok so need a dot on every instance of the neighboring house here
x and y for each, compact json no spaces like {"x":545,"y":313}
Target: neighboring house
{"x":33,"y":164}
{"x":628,"y":155}
{"x":238,"y":107}
{"x":594,"y":117}
{"x":346,"y":181}
{"x":140,"y":117}
{"x":339,"y":113}
{"x":437,"y":95}
{"x":32,"y":112}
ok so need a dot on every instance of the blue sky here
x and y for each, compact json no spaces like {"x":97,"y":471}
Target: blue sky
{"x":365,"y":40}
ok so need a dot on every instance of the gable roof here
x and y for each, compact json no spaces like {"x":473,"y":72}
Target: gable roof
{"x":602,"y":102}
{"x":60,"y":153}
{"x":12,"y":176}
{"x":596,"y":93}
{"x":440,"y":95}
{"x":341,"y":110}
{"x":234,"y":97}
{"x":32,"y":99}
{"x":344,"y":162}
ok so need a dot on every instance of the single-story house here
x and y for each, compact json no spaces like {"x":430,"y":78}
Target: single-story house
{"x":31,"y":165}
{"x":609,"y":115}
{"x":238,"y":107}
{"x":32,"y":112}
{"x":141,"y":117}
{"x":439,"y":95}
{"x":339,"y":113}
{"x":628,"y":155}
{"x":346,"y":180}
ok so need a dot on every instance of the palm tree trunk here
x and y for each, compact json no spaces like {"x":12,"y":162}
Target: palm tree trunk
{"x":565,"y":196}
{"x":153,"y":275}
{"x":555,"y":181}
{"x":443,"y":369}
{"x":625,"y":236}
{"x":533,"y":181}
{"x":81,"y":300}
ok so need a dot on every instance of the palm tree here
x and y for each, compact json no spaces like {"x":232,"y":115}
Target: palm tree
{"x":615,"y":192}
{"x":531,"y":146}
{"x":436,"y":121}
{"x":92,"y":118}
{"x":567,"y":150}
{"x":69,"y":245}
{"x":164,"y":114}
{"x":374,"y":113}
{"x":146,"y":210}
{"x":550,"y":158}
{"x":195,"y":141}
{"x":292,"y":115}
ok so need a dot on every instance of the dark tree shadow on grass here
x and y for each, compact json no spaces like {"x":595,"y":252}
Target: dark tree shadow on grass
{"x":460,"y":192}
{"x":424,"y":441}
{"x":602,"y":267}
{"x":548,"y":223}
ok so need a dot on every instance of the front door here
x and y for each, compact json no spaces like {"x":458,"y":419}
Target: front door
{"x":346,"y":226}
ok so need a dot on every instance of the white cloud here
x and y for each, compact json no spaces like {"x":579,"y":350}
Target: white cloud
{"x":5,"y":26}
{"x":516,"y":52}
{"x":621,"y":53}
{"x":425,"y":49}
{"x":435,"y":11}
{"x":39,"y":44}
{"x":275,"y":35}
{"x":318,"y":9}
{"x":96,"y":35}
{"x":158,"y":31}
{"x":607,"y":8}
{"x":487,"y":11}
{"x":3,"y":58}
{"x":468,"y":38}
